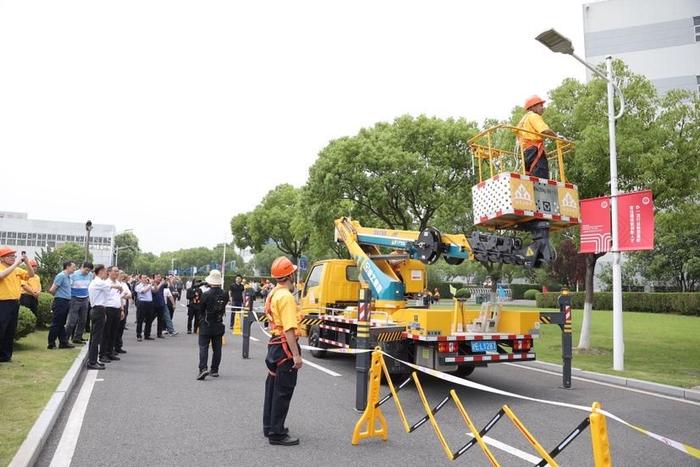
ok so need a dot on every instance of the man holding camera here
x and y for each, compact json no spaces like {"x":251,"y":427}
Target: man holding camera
{"x":211,"y":325}
{"x":11,"y":277}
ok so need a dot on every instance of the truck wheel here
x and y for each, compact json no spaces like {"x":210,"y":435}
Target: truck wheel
{"x":463,"y":371}
{"x":314,"y":336}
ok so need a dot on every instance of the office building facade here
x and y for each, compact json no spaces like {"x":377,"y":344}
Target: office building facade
{"x":658,"y":39}
{"x":33,"y":235}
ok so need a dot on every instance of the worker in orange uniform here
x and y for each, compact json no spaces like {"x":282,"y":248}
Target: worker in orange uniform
{"x":531,"y":140}
{"x":283,"y":355}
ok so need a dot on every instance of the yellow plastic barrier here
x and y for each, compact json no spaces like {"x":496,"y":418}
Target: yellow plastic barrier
{"x":373,"y":424}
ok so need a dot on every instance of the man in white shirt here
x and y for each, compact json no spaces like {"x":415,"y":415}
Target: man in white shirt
{"x":98,"y":291}
{"x":126,"y":296}
{"x":113,"y":310}
{"x":144,"y":308}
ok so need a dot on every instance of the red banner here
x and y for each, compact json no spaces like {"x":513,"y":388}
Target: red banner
{"x":595,"y":225}
{"x":635,"y":220}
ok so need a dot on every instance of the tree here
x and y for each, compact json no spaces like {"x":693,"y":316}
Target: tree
{"x":263,"y":259}
{"x":569,"y":267}
{"x":72,"y":252}
{"x":676,"y":256}
{"x":578,"y":112}
{"x":127,"y":244}
{"x":277,"y":219}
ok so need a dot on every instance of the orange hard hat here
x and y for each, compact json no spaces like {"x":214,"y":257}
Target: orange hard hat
{"x":282,"y":267}
{"x":533,"y":101}
{"x":6,"y":250}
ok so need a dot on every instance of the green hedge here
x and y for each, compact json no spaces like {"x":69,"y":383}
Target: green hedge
{"x":26,"y":322}
{"x":463,"y":293}
{"x":43,"y":318}
{"x":530,"y":294}
{"x":518,"y":290}
{"x":679,"y":303}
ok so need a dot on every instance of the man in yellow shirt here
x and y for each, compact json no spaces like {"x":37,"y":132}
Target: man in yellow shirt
{"x":531,"y":139}
{"x":283,"y":354}
{"x":11,"y":277}
{"x":31,"y":288}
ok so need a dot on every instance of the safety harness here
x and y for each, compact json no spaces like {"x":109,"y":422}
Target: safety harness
{"x":538,"y":144}
{"x":281,"y":338}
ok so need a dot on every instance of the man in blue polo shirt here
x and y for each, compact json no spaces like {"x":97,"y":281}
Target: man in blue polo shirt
{"x":80,"y":280}
{"x":61,"y":290}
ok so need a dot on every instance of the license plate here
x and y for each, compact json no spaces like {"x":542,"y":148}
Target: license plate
{"x":483,"y":346}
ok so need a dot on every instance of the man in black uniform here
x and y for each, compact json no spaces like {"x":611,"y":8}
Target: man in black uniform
{"x":194,"y":304}
{"x":235,"y":293}
{"x":211,"y":325}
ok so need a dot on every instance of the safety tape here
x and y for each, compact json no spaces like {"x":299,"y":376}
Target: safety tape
{"x":685,"y":448}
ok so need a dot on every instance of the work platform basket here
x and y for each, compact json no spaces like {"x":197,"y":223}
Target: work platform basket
{"x":506,"y":196}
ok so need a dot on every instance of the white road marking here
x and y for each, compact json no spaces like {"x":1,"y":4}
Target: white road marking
{"x":254,"y":339}
{"x":527,"y":457}
{"x":321,"y":368}
{"x":610,"y":385}
{"x":100,"y":379}
{"x":69,"y":439}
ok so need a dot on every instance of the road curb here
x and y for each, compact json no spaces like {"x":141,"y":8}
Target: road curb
{"x":663,"y":389}
{"x":36,"y":438}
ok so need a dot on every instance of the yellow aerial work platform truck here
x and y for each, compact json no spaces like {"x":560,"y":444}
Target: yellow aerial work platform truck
{"x":390,"y":264}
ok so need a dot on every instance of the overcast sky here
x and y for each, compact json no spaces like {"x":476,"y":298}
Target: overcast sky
{"x":169,"y":117}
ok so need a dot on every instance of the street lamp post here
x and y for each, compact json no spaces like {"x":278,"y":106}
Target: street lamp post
{"x":88,"y":228}
{"x":560,"y":44}
{"x":116,"y":253}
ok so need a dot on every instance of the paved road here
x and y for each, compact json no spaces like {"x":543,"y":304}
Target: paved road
{"x":148,"y":409}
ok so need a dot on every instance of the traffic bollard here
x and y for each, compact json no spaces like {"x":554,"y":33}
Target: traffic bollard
{"x":566,"y":344}
{"x":362,"y":360}
{"x":245,"y":316}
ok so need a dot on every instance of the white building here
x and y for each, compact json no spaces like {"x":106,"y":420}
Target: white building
{"x":31,"y":235}
{"x":657,"y":38}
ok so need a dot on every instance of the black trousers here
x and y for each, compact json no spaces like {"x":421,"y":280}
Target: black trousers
{"x":144,"y":316}
{"x":9,"y":310}
{"x":192,"y":318}
{"x":109,"y":338}
{"x":60,"y":309}
{"x":204,"y":352}
{"x":160,"y":319}
{"x":542,"y":168}
{"x":279,"y":389}
{"x":119,"y":344}
{"x":30,"y":301}
{"x":97,"y":325}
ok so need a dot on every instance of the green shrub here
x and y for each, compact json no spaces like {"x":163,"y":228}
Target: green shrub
{"x":530,"y":294}
{"x":518,"y":290}
{"x":463,"y":293}
{"x":26,"y":322}
{"x":686,"y":303}
{"x":43,"y":318}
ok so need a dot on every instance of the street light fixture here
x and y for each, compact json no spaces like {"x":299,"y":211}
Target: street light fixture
{"x":560,"y":44}
{"x":88,"y":228}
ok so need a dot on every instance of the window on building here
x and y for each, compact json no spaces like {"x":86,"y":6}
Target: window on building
{"x":31,"y":242}
{"x":697,"y":79}
{"x":696,"y":23}
{"x":12,"y":235}
{"x":31,"y":235}
{"x":52,"y":237}
{"x":71,"y":238}
{"x":41,"y":236}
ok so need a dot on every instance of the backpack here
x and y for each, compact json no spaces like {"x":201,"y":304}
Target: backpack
{"x":218,"y":308}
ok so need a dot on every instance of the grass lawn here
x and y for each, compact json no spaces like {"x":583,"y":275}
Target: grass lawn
{"x":662,"y":348}
{"x":26,"y":384}
{"x":658,"y":347}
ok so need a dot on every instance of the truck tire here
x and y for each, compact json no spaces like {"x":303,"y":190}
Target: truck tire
{"x":463,"y":371}
{"x":313,"y":339}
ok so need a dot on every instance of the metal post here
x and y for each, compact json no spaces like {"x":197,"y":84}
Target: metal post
{"x":116,"y":257}
{"x":566,"y":351}
{"x":362,"y":360}
{"x":245,"y":316}
{"x":618,"y":339}
{"x":88,"y":228}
